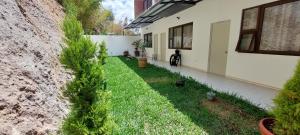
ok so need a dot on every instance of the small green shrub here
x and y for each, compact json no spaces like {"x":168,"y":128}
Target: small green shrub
{"x":78,"y":54}
{"x":103,"y":53}
{"x":87,"y":91}
{"x":91,"y":103}
{"x":70,"y":7}
{"x":287,"y":110}
{"x":72,"y":29}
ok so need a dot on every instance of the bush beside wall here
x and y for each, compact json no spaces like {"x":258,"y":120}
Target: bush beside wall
{"x":87,"y":92}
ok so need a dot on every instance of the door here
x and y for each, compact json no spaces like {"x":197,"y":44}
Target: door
{"x":219,"y":47}
{"x":163,"y":46}
{"x":155,"y":54}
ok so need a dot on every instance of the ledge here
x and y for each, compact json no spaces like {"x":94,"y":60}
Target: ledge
{"x":163,"y":8}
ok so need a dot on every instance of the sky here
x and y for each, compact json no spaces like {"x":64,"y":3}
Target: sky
{"x":120,"y":8}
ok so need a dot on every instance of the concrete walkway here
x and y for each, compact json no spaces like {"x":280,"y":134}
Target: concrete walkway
{"x":258,"y":95}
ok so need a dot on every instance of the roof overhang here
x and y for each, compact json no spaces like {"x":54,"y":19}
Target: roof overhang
{"x":163,"y":8}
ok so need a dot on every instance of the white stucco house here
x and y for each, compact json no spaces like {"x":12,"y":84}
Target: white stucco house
{"x":255,"y":41}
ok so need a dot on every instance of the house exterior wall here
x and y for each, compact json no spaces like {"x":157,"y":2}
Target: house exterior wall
{"x":264,"y":69}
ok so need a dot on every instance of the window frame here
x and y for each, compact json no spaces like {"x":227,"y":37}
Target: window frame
{"x":171,"y":37}
{"x":258,"y":31}
{"x":146,"y":40}
{"x":147,"y":4}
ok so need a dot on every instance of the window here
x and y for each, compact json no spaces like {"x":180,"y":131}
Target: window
{"x":148,"y":40}
{"x":187,"y":36}
{"x":180,"y":37}
{"x":177,"y":37}
{"x":147,"y":4}
{"x":272,"y":28}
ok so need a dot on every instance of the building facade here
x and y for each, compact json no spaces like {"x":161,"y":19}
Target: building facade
{"x":256,"y":41}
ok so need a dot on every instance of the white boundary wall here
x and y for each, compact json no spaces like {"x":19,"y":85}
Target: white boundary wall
{"x":116,"y":45}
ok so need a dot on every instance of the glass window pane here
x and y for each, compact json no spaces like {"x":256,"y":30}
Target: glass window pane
{"x":150,"y":40}
{"x":145,"y":38}
{"x":187,"y":36}
{"x":171,"y":38}
{"x":177,"y":37}
{"x":246,"y":42}
{"x":281,"y":28}
{"x":250,"y":19}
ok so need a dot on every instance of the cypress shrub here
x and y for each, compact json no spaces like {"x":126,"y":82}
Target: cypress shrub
{"x":87,"y":91}
{"x":90,"y":103}
{"x":78,"y":54}
{"x":103,"y":53}
{"x":287,"y":110}
{"x":72,"y":29}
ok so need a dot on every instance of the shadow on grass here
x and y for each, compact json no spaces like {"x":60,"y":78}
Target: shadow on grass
{"x":229,"y":115}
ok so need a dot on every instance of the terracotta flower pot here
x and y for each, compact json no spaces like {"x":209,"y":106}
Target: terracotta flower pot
{"x":142,"y":62}
{"x":265,"y":125}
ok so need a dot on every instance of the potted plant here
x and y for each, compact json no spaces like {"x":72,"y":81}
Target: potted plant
{"x":286,"y":111}
{"x":136,"y":47}
{"x":142,"y":61}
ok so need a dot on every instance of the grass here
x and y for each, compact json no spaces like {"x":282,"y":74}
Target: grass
{"x":146,"y":101}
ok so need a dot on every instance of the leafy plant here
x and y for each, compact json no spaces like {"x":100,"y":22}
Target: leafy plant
{"x":137,"y":43}
{"x":89,"y":12}
{"x":287,"y":110}
{"x":70,"y":8}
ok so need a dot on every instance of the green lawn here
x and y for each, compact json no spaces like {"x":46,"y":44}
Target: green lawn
{"x":146,"y":101}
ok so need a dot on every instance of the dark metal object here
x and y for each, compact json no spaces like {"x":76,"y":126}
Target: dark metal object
{"x":136,"y":52}
{"x":180,"y":83}
{"x":211,"y":96}
{"x":163,"y":8}
{"x":175,"y":59}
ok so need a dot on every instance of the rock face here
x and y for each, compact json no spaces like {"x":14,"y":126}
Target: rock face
{"x":31,"y":76}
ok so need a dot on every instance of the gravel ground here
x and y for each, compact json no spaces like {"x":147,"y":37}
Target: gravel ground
{"x":31,"y":77}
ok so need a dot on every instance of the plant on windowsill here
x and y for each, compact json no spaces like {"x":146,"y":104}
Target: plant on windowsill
{"x":136,"y":47}
{"x":286,"y":111}
{"x":142,"y":61}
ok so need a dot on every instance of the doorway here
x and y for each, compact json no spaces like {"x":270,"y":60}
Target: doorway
{"x":163,"y":46}
{"x":155,"y":55}
{"x":219,"y":47}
